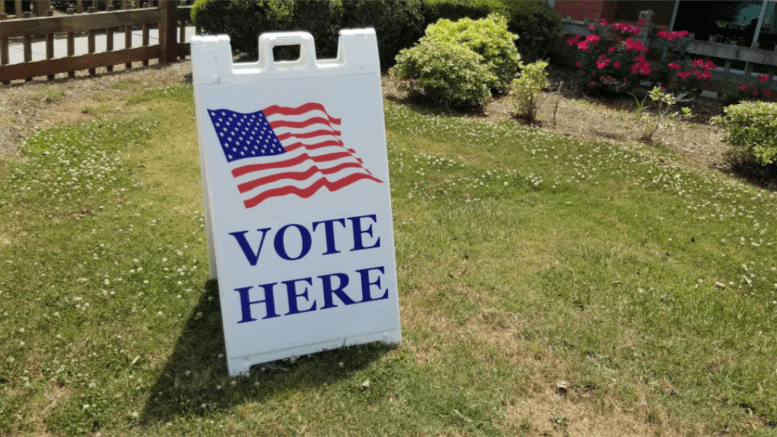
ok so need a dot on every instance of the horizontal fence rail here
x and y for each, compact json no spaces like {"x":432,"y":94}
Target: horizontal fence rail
{"x":166,"y":17}
{"x":78,"y":23}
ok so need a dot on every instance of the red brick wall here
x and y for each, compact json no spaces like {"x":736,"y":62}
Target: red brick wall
{"x":580,"y":9}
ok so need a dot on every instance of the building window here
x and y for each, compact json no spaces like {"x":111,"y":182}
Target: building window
{"x":728,"y":22}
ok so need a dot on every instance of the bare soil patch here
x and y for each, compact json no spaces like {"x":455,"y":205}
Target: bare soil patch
{"x":576,"y":116}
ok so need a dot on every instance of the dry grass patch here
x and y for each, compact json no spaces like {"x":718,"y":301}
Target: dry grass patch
{"x":41,"y":104}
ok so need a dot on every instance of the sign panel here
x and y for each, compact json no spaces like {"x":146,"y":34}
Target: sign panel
{"x":296,"y":188}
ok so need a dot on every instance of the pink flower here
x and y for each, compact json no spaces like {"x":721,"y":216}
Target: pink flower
{"x":635,"y":45}
{"x":742,"y":86}
{"x":682,"y":33}
{"x":663,"y":34}
{"x":674,"y":66}
{"x":616,"y":64}
{"x":578,"y":64}
{"x":592,"y":83}
{"x":582,"y":45}
{"x":709,"y":65}
{"x":763,"y":78}
{"x":755,"y":92}
{"x":767,"y":93}
{"x":698,"y":62}
{"x":592,"y":38}
{"x":592,"y":27}
{"x":603,"y":22}
{"x":642,"y":22}
{"x":612,"y":49}
{"x":572,"y":41}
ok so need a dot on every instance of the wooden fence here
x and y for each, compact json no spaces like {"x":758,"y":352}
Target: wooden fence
{"x":166,"y":15}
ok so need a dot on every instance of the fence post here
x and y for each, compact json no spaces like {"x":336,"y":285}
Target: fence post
{"x":71,"y":43}
{"x":145,"y":35}
{"x":182,"y":30}
{"x":40,"y":7}
{"x":27,"y":45}
{"x":79,"y":6}
{"x":127,"y":33}
{"x":167,"y":20}
{"x":109,"y":37}
{"x":50,"y":42}
{"x":17,"y":5}
{"x":748,"y":72}
{"x":3,"y":41}
{"x":91,"y":40}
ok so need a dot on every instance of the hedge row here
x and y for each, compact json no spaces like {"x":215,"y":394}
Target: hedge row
{"x":398,"y":23}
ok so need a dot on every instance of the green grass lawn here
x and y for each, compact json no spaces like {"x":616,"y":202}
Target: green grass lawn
{"x":524,"y":259}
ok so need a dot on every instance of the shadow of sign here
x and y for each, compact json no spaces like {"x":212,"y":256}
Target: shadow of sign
{"x":195,"y":379}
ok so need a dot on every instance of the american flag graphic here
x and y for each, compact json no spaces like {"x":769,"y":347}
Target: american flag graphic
{"x":283,"y":150}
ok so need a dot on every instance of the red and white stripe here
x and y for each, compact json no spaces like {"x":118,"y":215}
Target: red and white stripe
{"x":315,"y":157}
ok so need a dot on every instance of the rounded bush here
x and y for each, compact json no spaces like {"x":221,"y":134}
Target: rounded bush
{"x":487,"y":37}
{"x":750,"y":128}
{"x":446,"y":73}
{"x":537,"y":24}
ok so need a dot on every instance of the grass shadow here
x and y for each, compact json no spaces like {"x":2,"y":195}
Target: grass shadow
{"x":195,"y":382}
{"x":762,"y":176}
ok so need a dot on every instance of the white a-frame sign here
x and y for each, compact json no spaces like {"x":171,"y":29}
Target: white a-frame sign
{"x":296,"y":187}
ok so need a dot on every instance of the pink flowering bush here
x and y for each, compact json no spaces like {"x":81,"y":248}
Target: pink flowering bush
{"x":612,"y":60}
{"x":752,"y":93}
{"x":673,"y":73}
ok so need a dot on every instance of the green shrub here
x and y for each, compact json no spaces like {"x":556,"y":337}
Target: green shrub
{"x":446,"y":73}
{"x":750,"y":128}
{"x":454,"y":10}
{"x":487,"y":37}
{"x":527,"y":89}
{"x":323,"y":19}
{"x":730,"y":96}
{"x":398,"y":24}
{"x":243,"y":21}
{"x":536,"y":24}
